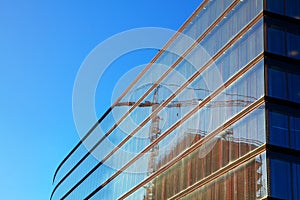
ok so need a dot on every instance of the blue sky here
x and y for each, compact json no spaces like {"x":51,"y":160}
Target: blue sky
{"x":42,"y":45}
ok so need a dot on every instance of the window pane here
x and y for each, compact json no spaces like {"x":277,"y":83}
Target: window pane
{"x":295,"y":132}
{"x":294,"y":87}
{"x":279,"y":129}
{"x":293,"y":8}
{"x":296,"y":181}
{"x":277,"y":84}
{"x":280,"y":179}
{"x":276,"y":6}
{"x":276,"y":41}
{"x":293,"y":45}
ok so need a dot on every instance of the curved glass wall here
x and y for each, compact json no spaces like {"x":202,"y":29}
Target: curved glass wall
{"x":195,"y":104}
{"x":253,"y":37}
{"x":166,"y":59}
{"x":209,"y":112}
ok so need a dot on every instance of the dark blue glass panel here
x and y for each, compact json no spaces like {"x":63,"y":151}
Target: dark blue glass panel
{"x":280,"y":179}
{"x":276,"y":6}
{"x":277,"y":84}
{"x":295,"y":132}
{"x":276,"y":41}
{"x":293,"y":45}
{"x":279,"y":129}
{"x":294,"y":87}
{"x":296,"y":180}
{"x":293,"y":8}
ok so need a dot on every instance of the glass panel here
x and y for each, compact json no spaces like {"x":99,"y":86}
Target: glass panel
{"x":296,"y":180}
{"x":284,"y":130}
{"x":293,"y":45}
{"x":283,"y":38}
{"x":277,"y":83}
{"x":276,"y":6}
{"x":289,"y":8}
{"x":293,"y":8}
{"x":279,"y":134}
{"x":295,"y":132}
{"x":284,"y":85}
{"x":205,"y":17}
{"x":241,"y":15}
{"x":280,"y":179}
{"x":276,"y":40}
{"x":294,"y":87}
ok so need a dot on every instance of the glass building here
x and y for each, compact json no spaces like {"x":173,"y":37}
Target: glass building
{"x":214,"y":115}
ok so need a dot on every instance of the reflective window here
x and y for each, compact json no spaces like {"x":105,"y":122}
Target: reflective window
{"x":276,"y":6}
{"x":248,"y":181}
{"x":276,"y":41}
{"x":289,"y":8}
{"x":279,"y":129}
{"x":284,"y":85}
{"x":296,"y":180}
{"x":293,"y":45}
{"x":284,"y":130}
{"x":294,"y":87}
{"x":284,"y":176}
{"x":295,"y":132}
{"x":280,"y":178}
{"x":283,"y":38}
{"x":277,"y":84}
{"x":293,"y":8}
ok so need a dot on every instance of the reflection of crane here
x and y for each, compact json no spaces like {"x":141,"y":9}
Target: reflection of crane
{"x":191,"y":102}
{"x":153,"y":134}
{"x":155,"y":131}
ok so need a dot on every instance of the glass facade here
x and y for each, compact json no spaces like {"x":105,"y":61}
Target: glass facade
{"x":284,"y":173}
{"x":284,"y":81}
{"x":286,"y":35}
{"x":244,"y":182}
{"x":222,"y":123}
{"x":222,"y":149}
{"x":285,"y":7}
